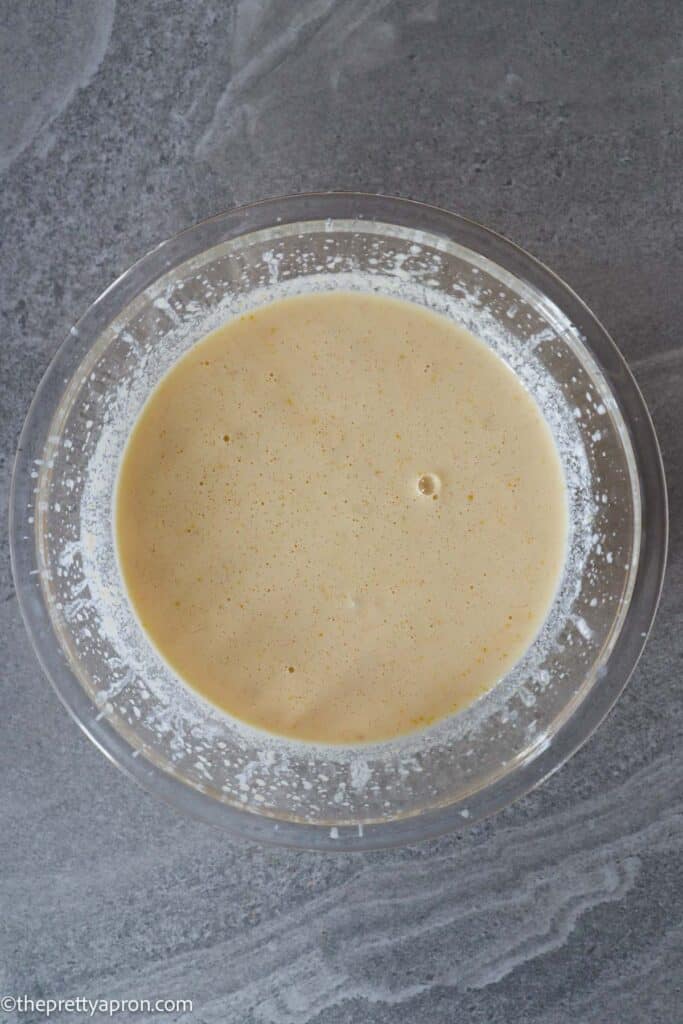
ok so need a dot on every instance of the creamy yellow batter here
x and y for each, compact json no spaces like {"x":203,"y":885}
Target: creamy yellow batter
{"x":341,"y":517}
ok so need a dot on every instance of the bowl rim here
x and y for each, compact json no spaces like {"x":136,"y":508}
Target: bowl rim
{"x":638,"y":620}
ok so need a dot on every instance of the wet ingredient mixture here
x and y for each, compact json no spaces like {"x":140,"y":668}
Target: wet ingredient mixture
{"x":341,"y":517}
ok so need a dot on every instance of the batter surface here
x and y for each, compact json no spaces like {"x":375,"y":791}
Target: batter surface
{"x":341,"y":517}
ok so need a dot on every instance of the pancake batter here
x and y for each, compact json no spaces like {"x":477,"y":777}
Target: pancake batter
{"x":341,"y":517}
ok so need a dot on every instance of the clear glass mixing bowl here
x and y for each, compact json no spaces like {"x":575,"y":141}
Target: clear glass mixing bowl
{"x":186,"y":751}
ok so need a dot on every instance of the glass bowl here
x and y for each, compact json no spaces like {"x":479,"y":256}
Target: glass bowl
{"x":166,"y":737}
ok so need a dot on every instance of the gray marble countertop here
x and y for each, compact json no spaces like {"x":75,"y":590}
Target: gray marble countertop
{"x":553,"y":123}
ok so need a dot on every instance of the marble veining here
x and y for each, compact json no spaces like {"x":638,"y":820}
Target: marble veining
{"x":378,"y":934}
{"x":67,"y":48}
{"x":346,"y":38}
